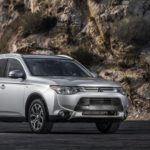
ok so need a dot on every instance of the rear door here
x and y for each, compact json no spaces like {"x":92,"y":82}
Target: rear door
{"x":11,"y":91}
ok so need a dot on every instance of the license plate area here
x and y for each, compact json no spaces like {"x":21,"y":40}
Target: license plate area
{"x":100,"y":113}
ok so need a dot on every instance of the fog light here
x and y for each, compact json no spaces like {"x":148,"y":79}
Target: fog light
{"x":64,"y":114}
{"x":61,"y":113}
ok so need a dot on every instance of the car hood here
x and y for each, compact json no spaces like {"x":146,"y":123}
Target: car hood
{"x":95,"y":82}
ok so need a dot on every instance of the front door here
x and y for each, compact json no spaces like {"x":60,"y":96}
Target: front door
{"x":11,"y":92}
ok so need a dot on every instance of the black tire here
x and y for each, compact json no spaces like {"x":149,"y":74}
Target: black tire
{"x":38,"y":117}
{"x":108,"y":126}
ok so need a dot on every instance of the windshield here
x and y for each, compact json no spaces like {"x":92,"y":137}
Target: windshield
{"x":55,"y":67}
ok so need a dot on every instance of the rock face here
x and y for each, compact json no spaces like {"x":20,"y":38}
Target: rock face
{"x":85,"y":28}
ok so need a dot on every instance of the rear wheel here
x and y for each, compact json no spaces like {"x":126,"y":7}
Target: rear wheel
{"x":108,"y":126}
{"x":37,"y":117}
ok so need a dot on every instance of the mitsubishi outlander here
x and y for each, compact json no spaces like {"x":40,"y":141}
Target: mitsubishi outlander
{"x":44,"y":90}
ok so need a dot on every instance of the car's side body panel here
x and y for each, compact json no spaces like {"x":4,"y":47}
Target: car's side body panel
{"x":11,"y":97}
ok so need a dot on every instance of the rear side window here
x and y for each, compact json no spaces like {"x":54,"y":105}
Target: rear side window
{"x":3,"y":63}
{"x":13,"y":64}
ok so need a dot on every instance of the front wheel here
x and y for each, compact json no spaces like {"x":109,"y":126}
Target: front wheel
{"x":37,"y":117}
{"x":108,"y":126}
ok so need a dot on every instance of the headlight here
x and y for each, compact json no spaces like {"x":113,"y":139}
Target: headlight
{"x":119,"y":90}
{"x":67,"y":90}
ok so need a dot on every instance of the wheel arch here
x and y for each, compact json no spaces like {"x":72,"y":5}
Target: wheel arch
{"x":30,"y":99}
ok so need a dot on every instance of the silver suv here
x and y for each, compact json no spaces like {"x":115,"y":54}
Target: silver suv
{"x":47,"y":89}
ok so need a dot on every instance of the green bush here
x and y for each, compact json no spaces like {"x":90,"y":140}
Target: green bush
{"x":36,"y":23}
{"x":132,"y":30}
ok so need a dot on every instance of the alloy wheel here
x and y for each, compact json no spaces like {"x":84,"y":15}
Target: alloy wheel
{"x":36,"y":116}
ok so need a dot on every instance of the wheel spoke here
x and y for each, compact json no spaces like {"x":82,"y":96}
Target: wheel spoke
{"x":36,"y":124}
{"x":41,"y":113}
{"x":33,"y":116}
{"x":36,"y":107}
{"x":33,"y":122}
{"x":33,"y":110}
{"x":39,"y":124}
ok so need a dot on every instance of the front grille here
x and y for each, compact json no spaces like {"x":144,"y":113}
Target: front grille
{"x":99,"y":89}
{"x":102,"y":104}
{"x":104,"y":101}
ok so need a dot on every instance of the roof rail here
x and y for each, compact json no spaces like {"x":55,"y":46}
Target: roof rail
{"x":64,"y":56}
{"x":10,"y":54}
{"x":16,"y":54}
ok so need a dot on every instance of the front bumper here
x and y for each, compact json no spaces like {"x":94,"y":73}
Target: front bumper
{"x":78,"y":117}
{"x":66,"y":107}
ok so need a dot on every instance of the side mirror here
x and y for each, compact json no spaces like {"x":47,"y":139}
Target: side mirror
{"x":16,"y":74}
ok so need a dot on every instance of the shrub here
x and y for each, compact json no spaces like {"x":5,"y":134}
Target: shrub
{"x":132,"y":30}
{"x":36,"y":23}
{"x":19,"y":6}
{"x":48,"y":23}
{"x":83,"y":56}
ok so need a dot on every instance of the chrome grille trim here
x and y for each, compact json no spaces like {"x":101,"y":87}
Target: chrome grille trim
{"x":99,"y":89}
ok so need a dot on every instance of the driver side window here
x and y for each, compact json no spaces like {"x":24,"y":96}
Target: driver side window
{"x":13,"y":64}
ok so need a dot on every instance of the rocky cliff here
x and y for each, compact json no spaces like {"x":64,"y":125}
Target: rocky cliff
{"x":109,"y":36}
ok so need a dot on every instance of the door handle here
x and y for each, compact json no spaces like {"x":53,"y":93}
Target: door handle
{"x":2,"y":86}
